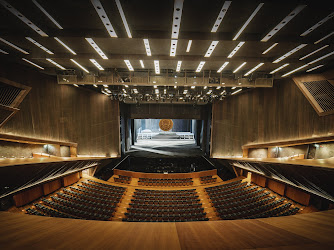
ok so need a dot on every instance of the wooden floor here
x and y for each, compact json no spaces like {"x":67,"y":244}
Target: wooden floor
{"x":305,"y":231}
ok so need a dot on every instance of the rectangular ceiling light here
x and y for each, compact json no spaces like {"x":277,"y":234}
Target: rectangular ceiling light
{"x":39,"y":45}
{"x":267,"y":50}
{"x":156,"y":67}
{"x":248,"y":21}
{"x":80,"y":66}
{"x":221,"y":15}
{"x":235,"y":49}
{"x":142,"y":63}
{"x":178,"y":67}
{"x":128,"y":64}
{"x":104,"y":18}
{"x":317,"y":67}
{"x":147,"y":47}
{"x":279,"y":68}
{"x":13,"y":46}
{"x":97,"y":65}
{"x":23,"y":18}
{"x":200,"y":66}
{"x":34,"y":64}
{"x":237,"y":69}
{"x":290,"y":53}
{"x":47,"y":14}
{"x":325,"y":37}
{"x":121,"y":12}
{"x":189,"y":45}
{"x":253,"y":69}
{"x":56,"y":64}
{"x":222,"y":67}
{"x":3,"y":52}
{"x":173,"y":45}
{"x":284,"y":22}
{"x":211,"y":48}
{"x":293,"y":71}
{"x":302,"y":58}
{"x":323,"y":57}
{"x":308,"y":31}
{"x":97,"y":48}
{"x":237,"y":91}
{"x":64,"y":45}
{"x":178,"y":5}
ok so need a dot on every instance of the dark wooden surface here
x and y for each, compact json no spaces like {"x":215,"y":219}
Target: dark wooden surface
{"x":27,"y":196}
{"x":70,"y":179}
{"x":51,"y":186}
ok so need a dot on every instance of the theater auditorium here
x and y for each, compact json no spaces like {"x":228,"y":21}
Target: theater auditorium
{"x":171,"y":124}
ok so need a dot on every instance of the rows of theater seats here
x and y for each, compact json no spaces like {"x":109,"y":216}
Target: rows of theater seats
{"x":165,"y":206}
{"x":89,"y":200}
{"x":207,"y":179}
{"x":165,"y":182}
{"x":123,"y":179}
{"x":240,"y":200}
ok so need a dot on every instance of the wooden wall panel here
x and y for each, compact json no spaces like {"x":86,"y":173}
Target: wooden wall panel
{"x":70,"y":179}
{"x":298,"y":195}
{"x":27,"y":196}
{"x":259,"y":180}
{"x":264,"y":115}
{"x":51,"y":186}
{"x":276,"y":186}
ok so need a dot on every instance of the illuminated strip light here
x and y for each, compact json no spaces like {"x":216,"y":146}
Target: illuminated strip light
{"x":104,"y":18}
{"x":221,"y":15}
{"x":39,"y":45}
{"x":320,"y":58}
{"x":121,"y":12}
{"x":253,"y":69}
{"x":97,"y":48}
{"x":211,"y":48}
{"x":147,"y":47}
{"x":235,"y":49}
{"x":142,"y":63}
{"x":95,"y":85}
{"x":36,"y":65}
{"x":128,"y":64}
{"x":4,"y":52}
{"x":293,"y":71}
{"x":270,"y":48}
{"x":64,"y":45}
{"x":23,"y":18}
{"x":248,"y":21}
{"x":178,"y":5}
{"x":47,"y":14}
{"x":178,"y":67}
{"x":308,"y":31}
{"x":173,"y":45}
{"x":13,"y":46}
{"x":302,"y":58}
{"x":325,"y":37}
{"x":284,"y":22}
{"x":189,"y":45}
{"x":80,"y":66}
{"x":279,"y":68}
{"x":236,"y":91}
{"x":200,"y":66}
{"x":54,"y":63}
{"x":76,"y":85}
{"x":237,"y":69}
{"x":97,"y":65}
{"x":156,"y":66}
{"x":290,"y":53}
{"x":222,"y":67}
{"x":317,"y":67}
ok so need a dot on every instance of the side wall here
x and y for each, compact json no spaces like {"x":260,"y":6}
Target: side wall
{"x":265,"y":115}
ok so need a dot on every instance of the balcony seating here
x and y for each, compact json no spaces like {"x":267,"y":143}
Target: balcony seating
{"x":123,"y":179}
{"x":207,"y":179}
{"x":165,"y":182}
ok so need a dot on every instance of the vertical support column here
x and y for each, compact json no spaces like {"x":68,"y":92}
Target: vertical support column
{"x":245,"y":152}
{"x":73,"y":151}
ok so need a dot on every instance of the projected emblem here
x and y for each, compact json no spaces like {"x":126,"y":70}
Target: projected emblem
{"x":166,"y":124}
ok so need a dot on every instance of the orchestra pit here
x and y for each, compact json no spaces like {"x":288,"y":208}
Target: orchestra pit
{"x":172,"y":124}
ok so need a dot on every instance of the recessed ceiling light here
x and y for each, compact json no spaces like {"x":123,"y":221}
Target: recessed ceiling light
{"x":80,"y":66}
{"x":325,"y":37}
{"x":221,"y":15}
{"x":248,"y":21}
{"x":96,"y":48}
{"x":219,"y":87}
{"x":317,"y":67}
{"x":13,"y":46}
{"x":189,"y":45}
{"x":193,"y":87}
{"x":95,"y":85}
{"x":142,"y":63}
{"x":173,"y":45}
{"x":293,"y":71}
{"x":39,"y":45}
{"x":54,"y":63}
{"x":121,"y":12}
{"x":279,"y":68}
{"x":222,"y":67}
{"x":178,"y":67}
{"x":47,"y":14}
{"x":267,"y":50}
{"x":235,"y":49}
{"x":156,"y":67}
{"x":64,"y":45}
{"x":3,"y":52}
{"x":34,"y":64}
{"x":284,"y":22}
{"x":104,"y":18}
{"x":308,"y":31}
{"x":223,"y":92}
{"x":236,"y":91}
{"x":23,"y":18}
{"x":105,"y":85}
{"x":97,"y":65}
{"x":205,"y":87}
{"x":76,"y":85}
{"x":233,"y":87}
{"x":200,"y":66}
{"x":211,"y":48}
{"x":320,"y":58}
{"x":290,"y":53}
{"x":178,"y":5}
{"x":147,"y":47}
{"x":128,"y":64}
{"x":302,"y":58}
{"x":253,"y":69}
{"x":237,"y":69}
{"x":175,"y":87}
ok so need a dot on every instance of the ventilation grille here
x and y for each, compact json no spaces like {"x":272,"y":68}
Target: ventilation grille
{"x":8,"y":94}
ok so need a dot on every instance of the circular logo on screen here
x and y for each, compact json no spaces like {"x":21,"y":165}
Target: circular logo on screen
{"x":166,"y":124}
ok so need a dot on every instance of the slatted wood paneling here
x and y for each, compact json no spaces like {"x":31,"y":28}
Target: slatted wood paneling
{"x":51,"y":186}
{"x":70,"y":179}
{"x":276,"y":186}
{"x":298,"y":195}
{"x":27,"y":196}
